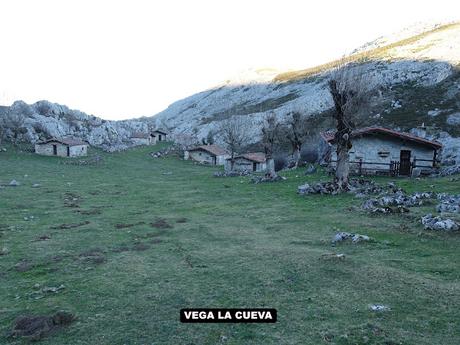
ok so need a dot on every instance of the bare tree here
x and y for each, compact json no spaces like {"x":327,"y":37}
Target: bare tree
{"x":234,"y":134}
{"x":270,"y":138}
{"x":296,"y":131}
{"x":350,"y":88}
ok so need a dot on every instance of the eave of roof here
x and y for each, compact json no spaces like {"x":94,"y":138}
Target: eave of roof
{"x":212,"y":149}
{"x":330,"y":136}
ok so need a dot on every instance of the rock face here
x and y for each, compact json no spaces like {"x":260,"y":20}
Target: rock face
{"x":45,"y":119}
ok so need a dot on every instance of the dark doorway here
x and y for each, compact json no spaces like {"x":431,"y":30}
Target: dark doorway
{"x":404,"y":163}
{"x":254,"y":166}
{"x":159,"y":137}
{"x":214,"y":160}
{"x":55,"y":150}
{"x":68,"y":151}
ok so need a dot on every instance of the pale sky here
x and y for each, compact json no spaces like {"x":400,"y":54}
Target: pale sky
{"x":124,"y":59}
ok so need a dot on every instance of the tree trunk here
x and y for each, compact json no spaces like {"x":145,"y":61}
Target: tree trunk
{"x":343,"y":168}
{"x":271,"y":168}
{"x":296,"y":156}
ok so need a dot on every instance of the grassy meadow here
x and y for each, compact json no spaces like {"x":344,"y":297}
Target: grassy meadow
{"x":134,"y":239}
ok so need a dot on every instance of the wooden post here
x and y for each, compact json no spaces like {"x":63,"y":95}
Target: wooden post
{"x":360,"y":166}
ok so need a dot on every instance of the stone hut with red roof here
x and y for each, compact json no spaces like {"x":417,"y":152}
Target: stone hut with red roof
{"x":207,"y":154}
{"x":378,"y":150}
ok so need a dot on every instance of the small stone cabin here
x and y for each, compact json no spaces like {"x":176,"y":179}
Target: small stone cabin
{"x":254,"y":161}
{"x":158,"y":135}
{"x":378,"y":150}
{"x":210,"y":154}
{"x":68,"y":147}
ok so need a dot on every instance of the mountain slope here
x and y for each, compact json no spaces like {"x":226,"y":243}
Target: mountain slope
{"x":418,"y":74}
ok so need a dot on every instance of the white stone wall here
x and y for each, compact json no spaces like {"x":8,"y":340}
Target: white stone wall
{"x":372,"y":149}
{"x":78,"y":150}
{"x":243,"y":164}
{"x":201,"y":156}
{"x":74,"y":151}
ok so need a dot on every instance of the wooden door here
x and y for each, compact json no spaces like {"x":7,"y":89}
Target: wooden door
{"x":404,"y":162}
{"x":55,"y":150}
{"x":254,"y":166}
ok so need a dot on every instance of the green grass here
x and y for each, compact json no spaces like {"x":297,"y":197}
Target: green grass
{"x":242,"y":245}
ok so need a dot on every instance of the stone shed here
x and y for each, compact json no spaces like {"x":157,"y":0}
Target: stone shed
{"x":67,"y":147}
{"x":378,"y":150}
{"x":209,"y":154}
{"x":157,"y":136}
{"x":253,"y":161}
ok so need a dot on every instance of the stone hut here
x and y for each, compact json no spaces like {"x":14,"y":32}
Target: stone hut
{"x":378,"y":150}
{"x":67,"y":147}
{"x":254,"y":161}
{"x":157,"y":136}
{"x":209,"y":154}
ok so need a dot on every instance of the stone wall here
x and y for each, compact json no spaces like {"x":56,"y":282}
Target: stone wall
{"x":384,"y":149}
{"x":61,"y":150}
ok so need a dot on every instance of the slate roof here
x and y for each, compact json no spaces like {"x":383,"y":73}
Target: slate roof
{"x":329,"y":136}
{"x":140,"y":135}
{"x":258,"y":157}
{"x":64,"y":141}
{"x":215,"y":150}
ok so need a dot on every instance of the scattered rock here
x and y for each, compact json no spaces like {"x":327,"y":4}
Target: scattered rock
{"x":449,"y":203}
{"x":14,"y":183}
{"x":35,"y":328}
{"x":23,"y":266}
{"x":231,"y":173}
{"x":4,"y":251}
{"x":416,"y":172}
{"x":264,"y":179}
{"x":357,"y":186}
{"x":379,"y":307}
{"x":53,"y":289}
{"x":36,"y":185}
{"x":355,"y":238}
{"x":311,"y":169}
{"x":333,"y":256}
{"x":437,"y":223}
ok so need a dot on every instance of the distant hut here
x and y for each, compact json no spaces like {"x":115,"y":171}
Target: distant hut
{"x":254,"y":161}
{"x":210,"y":154}
{"x":378,"y":150}
{"x":157,"y":136}
{"x":66,"y":147}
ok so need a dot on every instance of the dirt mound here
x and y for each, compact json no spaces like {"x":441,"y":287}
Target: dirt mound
{"x":94,"y":256}
{"x":37,"y":327}
{"x":65,"y":226}
{"x":161,"y":223}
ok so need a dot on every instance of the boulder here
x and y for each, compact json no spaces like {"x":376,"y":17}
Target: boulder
{"x":14,"y":183}
{"x":437,"y":223}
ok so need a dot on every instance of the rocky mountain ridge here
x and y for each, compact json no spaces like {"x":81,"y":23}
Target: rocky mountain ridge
{"x":417,"y":71}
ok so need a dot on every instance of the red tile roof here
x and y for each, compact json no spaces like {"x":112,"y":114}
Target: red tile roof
{"x":329,"y":136}
{"x":215,"y":150}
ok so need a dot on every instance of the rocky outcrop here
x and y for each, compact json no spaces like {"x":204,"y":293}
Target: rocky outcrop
{"x":43,"y":119}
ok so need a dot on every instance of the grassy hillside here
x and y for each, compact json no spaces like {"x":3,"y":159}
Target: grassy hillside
{"x":135,"y":239}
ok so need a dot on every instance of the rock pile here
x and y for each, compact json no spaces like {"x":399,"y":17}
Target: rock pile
{"x":355,"y":238}
{"x":448,"y":170}
{"x":263,"y":179}
{"x":437,"y":223}
{"x":398,"y":202}
{"x":361,"y":186}
{"x":166,"y":152}
{"x":448,"y":203}
{"x":231,"y":173}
